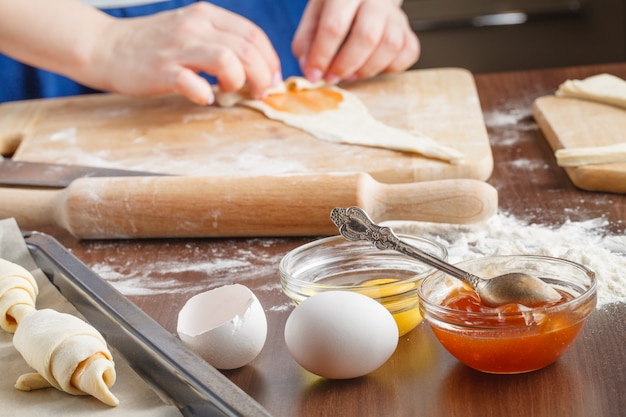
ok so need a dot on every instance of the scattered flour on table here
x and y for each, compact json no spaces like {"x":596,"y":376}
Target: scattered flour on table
{"x":585,"y":242}
{"x":191,"y":271}
{"x":510,"y":124}
{"x":501,"y":118}
{"x":194,"y":270}
{"x":529,"y":164}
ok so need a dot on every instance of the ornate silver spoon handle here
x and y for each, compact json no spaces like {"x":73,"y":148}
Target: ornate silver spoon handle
{"x":354,"y":224}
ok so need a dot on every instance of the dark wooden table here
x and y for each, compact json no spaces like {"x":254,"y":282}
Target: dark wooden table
{"x":421,"y":379}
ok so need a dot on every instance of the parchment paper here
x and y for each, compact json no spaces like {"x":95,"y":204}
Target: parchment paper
{"x":137,"y":397}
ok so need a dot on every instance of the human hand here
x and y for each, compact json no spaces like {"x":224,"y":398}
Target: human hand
{"x":354,"y":39}
{"x":163,"y":54}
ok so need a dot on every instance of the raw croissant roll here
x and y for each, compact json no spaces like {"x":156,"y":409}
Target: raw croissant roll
{"x":18,"y":292}
{"x":67,"y":353}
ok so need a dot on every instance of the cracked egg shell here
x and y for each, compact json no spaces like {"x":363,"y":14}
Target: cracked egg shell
{"x":226,"y":326}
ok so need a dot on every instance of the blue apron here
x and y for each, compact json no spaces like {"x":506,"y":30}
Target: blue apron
{"x":278,"y":18}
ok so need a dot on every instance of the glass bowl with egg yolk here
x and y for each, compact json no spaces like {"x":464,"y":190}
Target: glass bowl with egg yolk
{"x":511,"y":338}
{"x":334,"y":263}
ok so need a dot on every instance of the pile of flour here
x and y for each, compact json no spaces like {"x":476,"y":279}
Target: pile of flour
{"x":587,"y":243}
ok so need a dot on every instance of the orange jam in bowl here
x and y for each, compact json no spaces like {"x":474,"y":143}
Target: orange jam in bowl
{"x":511,"y":338}
{"x":334,"y":263}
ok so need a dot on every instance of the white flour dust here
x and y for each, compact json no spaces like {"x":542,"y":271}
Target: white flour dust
{"x":585,"y":242}
{"x":529,"y":164}
{"x":192,"y":270}
{"x":505,"y":118}
{"x":511,"y":125}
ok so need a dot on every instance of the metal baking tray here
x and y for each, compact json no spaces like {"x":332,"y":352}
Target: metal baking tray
{"x":193,"y":385}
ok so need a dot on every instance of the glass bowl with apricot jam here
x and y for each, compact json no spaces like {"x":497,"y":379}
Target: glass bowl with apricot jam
{"x":511,"y":338}
{"x":334,"y":263}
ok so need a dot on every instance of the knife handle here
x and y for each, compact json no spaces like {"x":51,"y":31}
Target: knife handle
{"x":151,"y":207}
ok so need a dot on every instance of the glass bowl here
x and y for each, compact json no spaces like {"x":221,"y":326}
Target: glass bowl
{"x":334,"y":263}
{"x":512,"y":338}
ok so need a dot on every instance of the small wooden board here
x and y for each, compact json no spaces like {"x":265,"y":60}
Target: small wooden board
{"x":572,"y":123}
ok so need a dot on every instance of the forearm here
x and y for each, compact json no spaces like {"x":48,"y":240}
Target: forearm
{"x":143,"y":56}
{"x":57,"y":35}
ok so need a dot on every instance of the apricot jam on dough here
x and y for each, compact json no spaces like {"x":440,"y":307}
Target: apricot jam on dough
{"x":305,"y":101}
{"x":502,"y":342}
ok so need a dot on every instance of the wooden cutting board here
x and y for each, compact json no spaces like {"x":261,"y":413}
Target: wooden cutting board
{"x":571,"y":123}
{"x":172,"y":135}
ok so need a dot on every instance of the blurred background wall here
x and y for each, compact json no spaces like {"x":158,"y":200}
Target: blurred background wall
{"x":502,"y":35}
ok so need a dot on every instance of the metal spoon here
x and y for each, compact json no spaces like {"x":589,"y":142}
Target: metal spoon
{"x":515,"y":287}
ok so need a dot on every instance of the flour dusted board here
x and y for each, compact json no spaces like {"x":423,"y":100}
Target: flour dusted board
{"x":171,"y":135}
{"x":572,"y":123}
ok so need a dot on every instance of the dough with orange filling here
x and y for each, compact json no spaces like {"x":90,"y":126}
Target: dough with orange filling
{"x":333,"y":114}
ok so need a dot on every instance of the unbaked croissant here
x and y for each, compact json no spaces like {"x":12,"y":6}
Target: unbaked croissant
{"x":66,"y":352}
{"x":18,"y":293}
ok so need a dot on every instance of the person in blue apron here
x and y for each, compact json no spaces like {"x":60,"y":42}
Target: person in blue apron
{"x":183,"y":46}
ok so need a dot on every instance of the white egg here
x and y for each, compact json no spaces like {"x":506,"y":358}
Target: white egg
{"x":340,"y":334}
{"x":226,"y":326}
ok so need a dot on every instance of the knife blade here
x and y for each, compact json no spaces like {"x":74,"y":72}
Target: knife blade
{"x":45,"y":175}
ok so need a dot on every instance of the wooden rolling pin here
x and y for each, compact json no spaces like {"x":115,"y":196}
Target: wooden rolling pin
{"x":294,"y":205}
